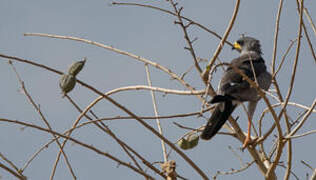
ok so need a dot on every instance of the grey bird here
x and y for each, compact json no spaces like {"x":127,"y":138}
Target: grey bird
{"x":233,"y":89}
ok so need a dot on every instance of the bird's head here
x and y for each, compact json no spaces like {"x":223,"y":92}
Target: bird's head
{"x":246,"y":44}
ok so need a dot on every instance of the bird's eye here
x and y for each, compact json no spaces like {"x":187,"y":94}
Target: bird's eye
{"x":240,"y":42}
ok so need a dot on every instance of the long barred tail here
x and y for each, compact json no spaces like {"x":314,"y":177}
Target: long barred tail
{"x":218,"y":118}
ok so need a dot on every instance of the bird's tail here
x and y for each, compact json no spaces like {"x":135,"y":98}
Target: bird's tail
{"x":219,"y":116}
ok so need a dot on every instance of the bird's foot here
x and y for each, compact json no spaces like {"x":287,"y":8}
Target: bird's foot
{"x":247,"y":142}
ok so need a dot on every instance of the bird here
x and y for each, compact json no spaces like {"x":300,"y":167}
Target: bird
{"x":233,"y":89}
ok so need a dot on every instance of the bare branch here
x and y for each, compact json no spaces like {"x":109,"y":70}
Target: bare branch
{"x":37,"y":108}
{"x":171,"y":13}
{"x":283,"y":57}
{"x":301,"y":135}
{"x":186,"y":36}
{"x":146,"y":61}
{"x":81,"y":144}
{"x":10,"y":163}
{"x":163,"y":146}
{"x":233,"y":171}
{"x":310,"y":20}
{"x":303,"y":120}
{"x":19,"y":176}
{"x":276,"y":34}
{"x":221,"y":44}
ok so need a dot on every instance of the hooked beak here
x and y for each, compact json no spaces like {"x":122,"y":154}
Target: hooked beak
{"x":236,"y":46}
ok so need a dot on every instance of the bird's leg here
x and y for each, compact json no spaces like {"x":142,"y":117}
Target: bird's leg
{"x":251,"y":109}
{"x":248,"y":138}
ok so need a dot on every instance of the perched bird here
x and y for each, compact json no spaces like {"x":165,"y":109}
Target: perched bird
{"x":233,"y":89}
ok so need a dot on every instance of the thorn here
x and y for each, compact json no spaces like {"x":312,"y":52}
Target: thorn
{"x":177,"y":22}
{"x":181,"y":8}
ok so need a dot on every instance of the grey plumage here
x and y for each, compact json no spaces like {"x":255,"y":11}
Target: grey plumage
{"x":233,"y":89}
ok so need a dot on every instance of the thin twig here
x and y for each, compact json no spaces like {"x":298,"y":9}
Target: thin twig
{"x":184,"y":156}
{"x":301,"y":135}
{"x":108,"y":131}
{"x":276,"y":35}
{"x":313,"y":177}
{"x":158,"y":89}
{"x":163,"y":146}
{"x":237,"y":129}
{"x":305,"y":32}
{"x":310,"y":20}
{"x":104,"y":128}
{"x":191,"y":67}
{"x":233,"y":171}
{"x":186,"y":35}
{"x":98,"y":151}
{"x":123,"y":145}
{"x":171,"y":13}
{"x":236,"y":154}
{"x":309,"y":166}
{"x":10,"y":163}
{"x":284,"y":56}
{"x":280,"y":144}
{"x":273,"y":106}
{"x":221,"y":44}
{"x":58,"y":72}
{"x":141,"y":59}
{"x":19,"y":176}
{"x":30,"y":99}
{"x":291,"y":172}
{"x":107,"y":119}
{"x":303,"y":120}
{"x":147,"y":126}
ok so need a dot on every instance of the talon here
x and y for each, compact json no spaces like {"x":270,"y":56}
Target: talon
{"x":247,"y":142}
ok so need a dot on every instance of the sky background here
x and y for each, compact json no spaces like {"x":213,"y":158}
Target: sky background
{"x":153,"y":35}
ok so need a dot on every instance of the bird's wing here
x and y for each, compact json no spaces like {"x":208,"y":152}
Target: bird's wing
{"x":233,"y":84}
{"x":233,"y":87}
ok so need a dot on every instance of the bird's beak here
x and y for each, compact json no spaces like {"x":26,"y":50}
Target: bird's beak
{"x":236,"y":46}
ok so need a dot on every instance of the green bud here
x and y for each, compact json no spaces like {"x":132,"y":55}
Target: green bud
{"x":67,"y":83}
{"x":76,"y":67}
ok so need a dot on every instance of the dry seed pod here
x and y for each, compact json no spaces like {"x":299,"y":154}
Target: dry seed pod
{"x":193,"y":140}
{"x":184,"y":144}
{"x":67,"y":83}
{"x":76,"y":67}
{"x":189,"y":142}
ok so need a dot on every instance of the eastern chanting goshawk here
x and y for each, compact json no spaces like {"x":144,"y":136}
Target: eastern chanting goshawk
{"x":233,"y":89}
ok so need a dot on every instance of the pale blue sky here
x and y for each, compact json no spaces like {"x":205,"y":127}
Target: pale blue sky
{"x":146,"y":33}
